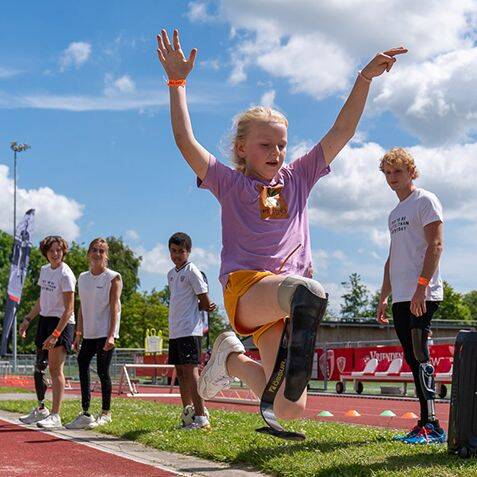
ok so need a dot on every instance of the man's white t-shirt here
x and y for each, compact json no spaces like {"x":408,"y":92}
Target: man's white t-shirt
{"x":184,"y":316}
{"x":53,"y":282}
{"x":94,"y":292}
{"x":408,"y":245}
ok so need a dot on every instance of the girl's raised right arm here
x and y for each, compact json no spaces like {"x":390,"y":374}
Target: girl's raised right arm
{"x":177,"y":67}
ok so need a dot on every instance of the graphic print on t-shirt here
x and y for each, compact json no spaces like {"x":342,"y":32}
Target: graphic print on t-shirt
{"x":400,"y":224}
{"x":271,"y":202}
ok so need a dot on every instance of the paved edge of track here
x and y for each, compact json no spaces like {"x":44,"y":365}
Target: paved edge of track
{"x":178,"y":464}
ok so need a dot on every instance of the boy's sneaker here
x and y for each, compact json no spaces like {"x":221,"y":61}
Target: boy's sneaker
{"x":82,"y":421}
{"x":198,"y":422}
{"x":188,"y":414}
{"x":35,"y":415}
{"x":53,"y":421}
{"x":101,"y":420}
{"x":429,"y":434}
{"x":214,"y":377}
{"x":412,"y":433}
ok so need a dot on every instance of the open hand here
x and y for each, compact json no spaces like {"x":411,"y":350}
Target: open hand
{"x":382,"y":62}
{"x":172,"y":57}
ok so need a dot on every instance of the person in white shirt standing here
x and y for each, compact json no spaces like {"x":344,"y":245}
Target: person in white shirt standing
{"x":412,"y":276}
{"x":188,"y":298}
{"x":99,"y":315}
{"x":55,"y":329}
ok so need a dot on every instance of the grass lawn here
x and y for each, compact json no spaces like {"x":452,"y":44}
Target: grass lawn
{"x":10,"y":389}
{"x":330,"y":449}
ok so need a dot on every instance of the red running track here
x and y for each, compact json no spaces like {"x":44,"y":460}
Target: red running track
{"x":26,"y":452}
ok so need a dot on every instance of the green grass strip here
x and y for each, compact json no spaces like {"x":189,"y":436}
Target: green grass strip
{"x":330,"y":449}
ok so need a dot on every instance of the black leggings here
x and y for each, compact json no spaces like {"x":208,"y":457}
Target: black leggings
{"x":404,"y":322}
{"x":89,"y":348}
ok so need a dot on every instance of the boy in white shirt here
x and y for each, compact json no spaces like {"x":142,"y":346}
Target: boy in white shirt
{"x":188,"y":298}
{"x":412,"y":275}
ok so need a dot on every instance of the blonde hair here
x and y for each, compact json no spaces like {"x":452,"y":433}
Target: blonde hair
{"x":102,"y":241}
{"x":399,"y":157}
{"x":242,"y":123}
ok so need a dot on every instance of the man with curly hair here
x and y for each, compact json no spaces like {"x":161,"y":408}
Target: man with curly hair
{"x":412,"y":276}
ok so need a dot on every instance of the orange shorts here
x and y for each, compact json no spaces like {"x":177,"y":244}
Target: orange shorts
{"x":237,"y":285}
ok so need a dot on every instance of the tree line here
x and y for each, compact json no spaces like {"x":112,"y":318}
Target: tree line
{"x":141,"y":310}
{"x":359,"y":302}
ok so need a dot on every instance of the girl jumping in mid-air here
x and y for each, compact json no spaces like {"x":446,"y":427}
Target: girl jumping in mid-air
{"x":266,"y":265}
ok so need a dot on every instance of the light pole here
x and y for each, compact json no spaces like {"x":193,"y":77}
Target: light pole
{"x":15,"y":147}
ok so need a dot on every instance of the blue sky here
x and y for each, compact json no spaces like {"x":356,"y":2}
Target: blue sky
{"x":80,"y":82}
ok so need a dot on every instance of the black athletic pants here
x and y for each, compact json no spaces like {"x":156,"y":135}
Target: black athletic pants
{"x":404,"y":322}
{"x":89,"y":348}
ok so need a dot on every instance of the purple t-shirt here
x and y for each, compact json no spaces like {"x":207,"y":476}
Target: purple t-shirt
{"x":264,"y":221}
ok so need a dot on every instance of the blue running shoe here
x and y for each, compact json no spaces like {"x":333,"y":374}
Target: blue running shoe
{"x":429,"y":434}
{"x":412,"y":433}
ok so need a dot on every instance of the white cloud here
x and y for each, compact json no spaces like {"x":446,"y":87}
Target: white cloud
{"x":115,"y":100}
{"x":145,"y":99}
{"x":158,"y":261}
{"x":76,"y":54}
{"x":268,"y":98}
{"x":436,"y":99}
{"x":55,"y":213}
{"x":320,"y":75}
{"x":319,"y":45}
{"x":355,"y":196}
{"x":213,"y":64}
{"x":205,"y":259}
{"x":8,"y":72}
{"x":132,"y":235}
{"x":198,"y":12}
{"x":122,"y":85}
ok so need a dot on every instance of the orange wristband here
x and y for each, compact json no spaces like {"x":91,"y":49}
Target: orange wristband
{"x":56,"y":333}
{"x":176,"y":82}
{"x":423,"y":281}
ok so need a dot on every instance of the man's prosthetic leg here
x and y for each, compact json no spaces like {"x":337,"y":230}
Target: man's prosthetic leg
{"x":305,"y":301}
{"x":426,"y":370}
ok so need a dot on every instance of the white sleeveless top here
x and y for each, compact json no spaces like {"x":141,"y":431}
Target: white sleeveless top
{"x":94,"y":293}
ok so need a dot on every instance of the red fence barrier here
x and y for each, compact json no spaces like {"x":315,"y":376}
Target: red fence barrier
{"x":339,"y":360}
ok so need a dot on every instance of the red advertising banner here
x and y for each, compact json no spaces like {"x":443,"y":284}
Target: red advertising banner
{"x":339,"y":360}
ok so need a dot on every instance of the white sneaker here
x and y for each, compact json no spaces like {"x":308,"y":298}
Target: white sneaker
{"x":100,"y":421}
{"x":82,"y":421}
{"x":35,"y":416}
{"x":198,"y":422}
{"x":188,"y":414}
{"x":53,"y":421}
{"x":214,"y":377}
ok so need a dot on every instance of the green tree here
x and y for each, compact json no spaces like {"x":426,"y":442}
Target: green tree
{"x":142,"y":311}
{"x":356,"y":300}
{"x":453,"y":306}
{"x":470,"y":299}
